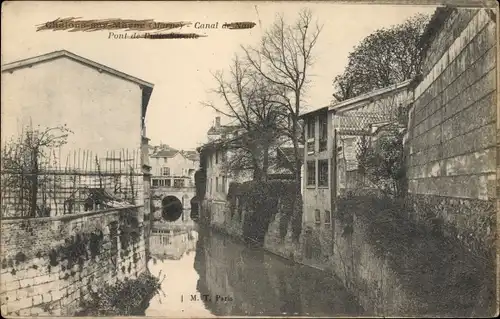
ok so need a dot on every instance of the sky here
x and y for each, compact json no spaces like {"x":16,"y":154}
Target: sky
{"x":181,"y":69}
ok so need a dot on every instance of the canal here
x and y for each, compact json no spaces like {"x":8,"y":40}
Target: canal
{"x":206,"y":274}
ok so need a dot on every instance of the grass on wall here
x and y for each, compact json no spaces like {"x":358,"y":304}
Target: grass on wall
{"x":436,"y":270}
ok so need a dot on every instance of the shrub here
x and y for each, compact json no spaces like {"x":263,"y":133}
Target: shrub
{"x":126,"y":298}
{"x":383,"y":163}
{"x":422,"y":257}
{"x":261,"y":200}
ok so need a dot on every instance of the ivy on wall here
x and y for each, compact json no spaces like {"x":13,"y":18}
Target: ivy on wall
{"x":262,"y":201}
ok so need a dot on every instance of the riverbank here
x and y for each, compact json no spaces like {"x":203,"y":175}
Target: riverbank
{"x":391,"y":264}
{"x":262,"y":283}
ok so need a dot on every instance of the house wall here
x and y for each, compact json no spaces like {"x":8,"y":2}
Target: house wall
{"x":360,"y":115}
{"x":37,"y":276}
{"x":62,"y":91}
{"x":452,"y":129}
{"x":178,"y":164}
{"x":317,"y":197}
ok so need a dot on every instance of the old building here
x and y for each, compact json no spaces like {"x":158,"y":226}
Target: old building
{"x":171,"y":167}
{"x":67,"y":89}
{"x":62,"y":89}
{"x":172,"y":179}
{"x":333,"y":135}
{"x":216,"y":156}
{"x":221,"y":132}
{"x":222,"y":163}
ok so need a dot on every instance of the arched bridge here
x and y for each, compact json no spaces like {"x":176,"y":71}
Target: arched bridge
{"x":172,"y":203}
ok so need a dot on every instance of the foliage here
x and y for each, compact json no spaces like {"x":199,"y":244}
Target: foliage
{"x":23,"y":157}
{"x":76,"y":249}
{"x":383,"y":162}
{"x":421,"y":257}
{"x":262,"y":201}
{"x":126,"y":298}
{"x":386,"y":57}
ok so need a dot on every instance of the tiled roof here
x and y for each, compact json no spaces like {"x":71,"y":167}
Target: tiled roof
{"x":192,"y":155}
{"x":165,"y":152}
{"x":222,"y":129}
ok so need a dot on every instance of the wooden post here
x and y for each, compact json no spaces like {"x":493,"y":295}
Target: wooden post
{"x":333,"y":185}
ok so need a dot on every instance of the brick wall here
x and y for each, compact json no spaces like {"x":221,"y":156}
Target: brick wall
{"x":49,"y":264}
{"x":451,"y":136}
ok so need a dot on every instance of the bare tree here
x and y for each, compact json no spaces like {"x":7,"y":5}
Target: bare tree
{"x":23,"y":158}
{"x":248,"y":101}
{"x":283,"y":60}
{"x":386,"y":57}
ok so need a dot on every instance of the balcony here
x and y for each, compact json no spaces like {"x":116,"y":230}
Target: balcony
{"x":171,"y":182}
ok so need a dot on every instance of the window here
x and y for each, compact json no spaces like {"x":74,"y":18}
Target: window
{"x":168,"y":183}
{"x":311,"y":127}
{"x":328,"y":217}
{"x":178,"y":183}
{"x":311,"y":173}
{"x":317,"y":216}
{"x":224,"y":184}
{"x":323,"y":133}
{"x":216,"y":157}
{"x":155,"y":182}
{"x":165,"y":171}
{"x":323,"y":173}
{"x":311,"y":135}
{"x":216,"y":184}
{"x":164,"y":160}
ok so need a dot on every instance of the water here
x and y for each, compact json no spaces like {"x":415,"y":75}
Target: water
{"x":206,"y":274}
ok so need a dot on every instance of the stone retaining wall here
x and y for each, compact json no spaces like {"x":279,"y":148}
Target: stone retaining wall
{"x":50,"y":264}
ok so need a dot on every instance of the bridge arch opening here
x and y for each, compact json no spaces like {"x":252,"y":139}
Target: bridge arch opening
{"x":171,"y":208}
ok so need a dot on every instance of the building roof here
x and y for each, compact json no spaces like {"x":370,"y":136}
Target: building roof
{"x":191,"y":155}
{"x":165,"y":151}
{"x":147,"y":87}
{"x":223,"y":129}
{"x":217,"y":144}
{"x":314,"y":111}
{"x":355,"y":101}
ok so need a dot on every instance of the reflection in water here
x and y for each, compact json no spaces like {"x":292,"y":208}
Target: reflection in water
{"x":228,"y":278}
{"x":172,"y":245}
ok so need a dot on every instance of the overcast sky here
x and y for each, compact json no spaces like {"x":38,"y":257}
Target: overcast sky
{"x":180,"y":69}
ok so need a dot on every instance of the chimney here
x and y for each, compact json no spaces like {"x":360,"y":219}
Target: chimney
{"x":217,"y":122}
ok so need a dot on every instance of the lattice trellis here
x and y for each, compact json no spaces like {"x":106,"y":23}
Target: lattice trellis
{"x":86,"y":182}
{"x":354,"y":128}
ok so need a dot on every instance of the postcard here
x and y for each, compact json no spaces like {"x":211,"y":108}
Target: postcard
{"x":199,"y":159}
